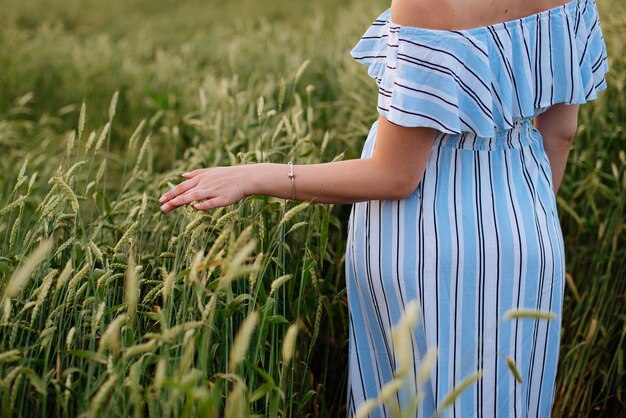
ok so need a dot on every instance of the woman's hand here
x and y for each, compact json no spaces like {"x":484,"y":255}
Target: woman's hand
{"x":209,"y":187}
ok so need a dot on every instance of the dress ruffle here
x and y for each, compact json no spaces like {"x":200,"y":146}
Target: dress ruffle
{"x":485,"y":79}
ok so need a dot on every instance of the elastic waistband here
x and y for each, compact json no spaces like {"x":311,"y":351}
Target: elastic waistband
{"x":522,"y":133}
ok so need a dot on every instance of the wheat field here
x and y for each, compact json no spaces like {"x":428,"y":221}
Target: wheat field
{"x":110,"y":308}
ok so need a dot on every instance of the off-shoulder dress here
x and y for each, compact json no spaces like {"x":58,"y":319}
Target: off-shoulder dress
{"x":480,"y":235}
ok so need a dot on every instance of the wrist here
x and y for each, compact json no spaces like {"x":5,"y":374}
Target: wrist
{"x":261,"y":179}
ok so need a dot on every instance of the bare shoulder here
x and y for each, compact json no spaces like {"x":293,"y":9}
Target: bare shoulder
{"x":464,"y":14}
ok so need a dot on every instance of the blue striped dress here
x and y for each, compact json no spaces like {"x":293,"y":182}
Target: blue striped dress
{"x":480,"y":235}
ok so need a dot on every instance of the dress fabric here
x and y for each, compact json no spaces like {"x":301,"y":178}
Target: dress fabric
{"x":480,"y":235}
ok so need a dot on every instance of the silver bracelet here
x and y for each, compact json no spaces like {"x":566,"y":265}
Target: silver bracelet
{"x":292,"y":176}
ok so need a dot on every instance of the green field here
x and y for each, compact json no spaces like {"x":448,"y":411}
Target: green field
{"x":112,"y":308}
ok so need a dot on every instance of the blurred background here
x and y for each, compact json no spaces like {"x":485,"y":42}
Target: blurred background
{"x":159,"y":53}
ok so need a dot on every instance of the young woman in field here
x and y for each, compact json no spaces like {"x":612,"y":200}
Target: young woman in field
{"x":454,"y":196}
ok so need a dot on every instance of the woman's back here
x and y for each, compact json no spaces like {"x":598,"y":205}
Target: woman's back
{"x":465,"y":14}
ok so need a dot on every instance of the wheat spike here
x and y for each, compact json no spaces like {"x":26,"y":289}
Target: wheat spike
{"x":282,"y":89}
{"x":592,"y":331}
{"x":402,"y":335}
{"x":528,"y":313}
{"x":259,"y":108}
{"x":71,"y":141}
{"x":16,"y":226}
{"x":96,"y":251}
{"x":31,"y":181}
{"x":513,"y":368}
{"x":198,"y":220}
{"x":189,"y":352}
{"x":6,"y":311}
{"x":70,"y":173}
{"x":22,"y":274}
{"x":10,"y":356}
{"x":80,"y":275}
{"x":113,"y":105}
{"x":277,"y":283}
{"x":69,"y":339}
{"x":101,"y":170}
{"x":15,"y":390}
{"x":111,"y":337}
{"x":90,"y":140}
{"x":142,"y":152}
{"x":67,"y":192}
{"x":131,"y":288}
{"x":318,"y":319}
{"x":293,"y":212}
{"x":390,"y":389}
{"x":65,"y":274}
{"x":46,"y":335}
{"x":66,"y":393}
{"x":160,"y":374}
{"x":133,"y":382}
{"x":26,"y":307}
{"x":168,"y":285}
{"x":144,"y":204}
{"x":135,"y":135}
{"x":17,"y":202}
{"x":234,"y":267}
{"x":101,"y":395}
{"x":236,"y":402}
{"x":196,"y":266}
{"x":64,"y":246}
{"x":127,"y":235}
{"x":289,"y":344}
{"x":301,"y":71}
{"x":98,"y":316}
{"x":297,"y":226}
{"x":255,"y":269}
{"x":427,"y":364}
{"x":141,"y":348}
{"x":42,"y":293}
{"x":81,"y":120}
{"x":242,"y":341}
{"x":366,"y":408}
{"x":451,"y":397}
{"x":21,"y":178}
{"x":103,"y":136}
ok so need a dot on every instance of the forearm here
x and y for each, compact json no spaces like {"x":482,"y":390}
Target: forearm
{"x":337,"y":182}
{"x":557,"y":126}
{"x":557,"y":150}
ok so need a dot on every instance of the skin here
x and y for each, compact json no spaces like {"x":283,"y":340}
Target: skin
{"x":399,"y":160}
{"x":557,"y":126}
{"x":464,"y":14}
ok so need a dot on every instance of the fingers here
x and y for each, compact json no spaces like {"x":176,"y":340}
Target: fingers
{"x":206,"y":205}
{"x":192,"y":174}
{"x":184,"y":199}
{"x":220,"y":188}
{"x":178,"y":190}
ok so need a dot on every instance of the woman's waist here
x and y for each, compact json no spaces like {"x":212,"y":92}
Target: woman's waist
{"x":522,"y":133}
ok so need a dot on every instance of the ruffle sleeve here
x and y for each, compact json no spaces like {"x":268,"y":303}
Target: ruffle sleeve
{"x":485,"y":79}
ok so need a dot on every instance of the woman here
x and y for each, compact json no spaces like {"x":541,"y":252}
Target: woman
{"x":455,"y":190}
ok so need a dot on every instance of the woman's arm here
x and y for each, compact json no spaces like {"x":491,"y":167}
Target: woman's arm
{"x":393,"y":172}
{"x":557,"y":126}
